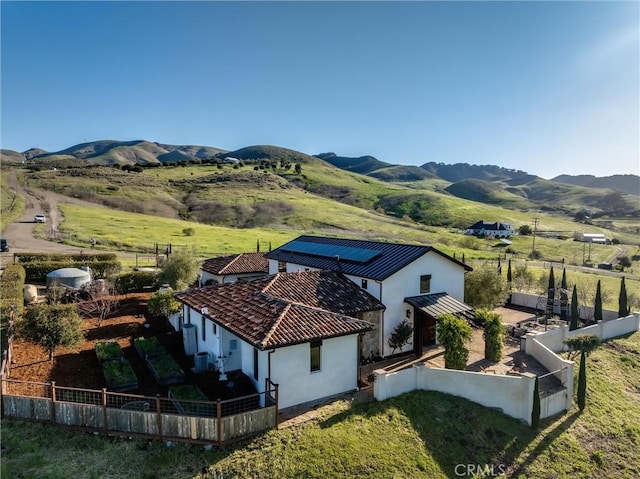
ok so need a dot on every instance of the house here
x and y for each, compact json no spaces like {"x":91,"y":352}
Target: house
{"x":497,"y":229}
{"x":231,"y":268}
{"x":396,"y":274}
{"x":598,"y":238}
{"x":304,"y":331}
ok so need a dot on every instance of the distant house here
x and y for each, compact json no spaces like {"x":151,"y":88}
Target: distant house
{"x":231,"y":268}
{"x":497,"y":229}
{"x":405,"y":278}
{"x":304,"y":331}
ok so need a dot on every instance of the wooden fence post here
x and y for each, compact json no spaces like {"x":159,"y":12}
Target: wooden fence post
{"x":53,"y":401}
{"x":219,"y":421}
{"x":277,"y":409}
{"x":159,"y":416}
{"x":104,"y":411}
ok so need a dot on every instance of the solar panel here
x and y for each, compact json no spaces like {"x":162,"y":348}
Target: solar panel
{"x":347,"y":253}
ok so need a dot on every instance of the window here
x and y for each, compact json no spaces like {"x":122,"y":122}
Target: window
{"x":282,"y":267}
{"x":364,"y":283}
{"x":315,"y":355}
{"x":425,"y":283}
{"x":204,"y":329}
{"x":255,"y":364}
{"x":215,"y":328}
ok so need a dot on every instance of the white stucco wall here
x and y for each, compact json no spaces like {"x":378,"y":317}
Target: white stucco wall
{"x":446,"y":276}
{"x":290,"y":369}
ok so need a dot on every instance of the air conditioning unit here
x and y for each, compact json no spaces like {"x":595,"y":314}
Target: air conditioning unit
{"x":201,"y":361}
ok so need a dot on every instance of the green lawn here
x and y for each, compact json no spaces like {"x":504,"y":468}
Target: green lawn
{"x":416,"y":435}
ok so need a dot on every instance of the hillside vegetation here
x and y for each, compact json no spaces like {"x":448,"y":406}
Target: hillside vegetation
{"x":416,"y":435}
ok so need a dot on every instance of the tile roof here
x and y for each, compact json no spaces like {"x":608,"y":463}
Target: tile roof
{"x":270,"y":312}
{"x":237,"y":264}
{"x":441,"y":303}
{"x":391,"y":257}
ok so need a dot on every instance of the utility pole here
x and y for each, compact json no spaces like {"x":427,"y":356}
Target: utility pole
{"x":535,"y":229}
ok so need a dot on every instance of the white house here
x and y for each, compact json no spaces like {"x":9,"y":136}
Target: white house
{"x":231,"y":268}
{"x":497,"y":229}
{"x":301,"y":331}
{"x":405,"y":278}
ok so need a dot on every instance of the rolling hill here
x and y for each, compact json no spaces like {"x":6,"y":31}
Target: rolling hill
{"x":626,"y":183}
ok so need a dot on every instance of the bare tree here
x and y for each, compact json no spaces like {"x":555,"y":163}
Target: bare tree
{"x":102,"y":304}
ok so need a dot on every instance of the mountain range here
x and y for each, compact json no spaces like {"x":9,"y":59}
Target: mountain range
{"x":484,"y":183}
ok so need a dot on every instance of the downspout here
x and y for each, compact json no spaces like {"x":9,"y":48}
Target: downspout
{"x":269,"y":364}
{"x":381,"y":320}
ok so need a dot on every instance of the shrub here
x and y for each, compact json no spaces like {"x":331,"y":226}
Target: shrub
{"x":163,"y":304}
{"x":136,"y":281}
{"x":188,"y":231}
{"x":493,"y":334}
{"x":454,"y":333}
{"x":11,"y":291}
{"x":484,"y":287}
{"x":51,"y":326}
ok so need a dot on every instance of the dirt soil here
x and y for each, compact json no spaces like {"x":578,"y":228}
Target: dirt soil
{"x":79,"y":367}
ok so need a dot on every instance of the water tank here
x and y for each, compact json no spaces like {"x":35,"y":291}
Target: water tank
{"x":72,"y":277}
{"x":189,"y":339}
{"x":201,"y":361}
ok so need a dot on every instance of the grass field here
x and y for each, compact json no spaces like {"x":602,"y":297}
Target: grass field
{"x":417,"y":435}
{"x":11,"y":204}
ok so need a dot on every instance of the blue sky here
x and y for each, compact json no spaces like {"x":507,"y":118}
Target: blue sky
{"x":545,"y":87}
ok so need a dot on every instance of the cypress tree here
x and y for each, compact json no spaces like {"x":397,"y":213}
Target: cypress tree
{"x":597,"y":310}
{"x":582,"y":382}
{"x":551,"y":293}
{"x":623,"y":307}
{"x":535,"y":411}
{"x":509,"y":277}
{"x":575,"y":315}
{"x":564,"y":295}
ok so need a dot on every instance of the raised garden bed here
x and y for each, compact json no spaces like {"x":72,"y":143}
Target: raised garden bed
{"x":119,"y":375}
{"x":165,"y":369}
{"x":149,"y":347}
{"x":108,"y":351}
{"x":187,"y":399}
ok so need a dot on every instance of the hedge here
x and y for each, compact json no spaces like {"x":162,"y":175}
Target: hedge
{"x":60,"y":257}
{"x":11,"y":290}
{"x":37,"y":272}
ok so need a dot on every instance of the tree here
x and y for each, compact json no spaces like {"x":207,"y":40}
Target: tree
{"x":509,"y":276}
{"x":180,"y":270}
{"x":583,"y":343}
{"x":564,"y":295}
{"x":51,"y":326}
{"x":535,"y":411}
{"x":582,"y":382}
{"x":597,"y":309}
{"x":298,"y":169}
{"x":575,"y":314}
{"x":454,"y":334}
{"x":400,"y":336}
{"x":485,"y":288}
{"x":525,"y":230}
{"x":101,"y":306}
{"x":623,"y":305}
{"x":493,"y":334}
{"x":551,"y":294}
{"x":163,"y":303}
{"x":624,"y":262}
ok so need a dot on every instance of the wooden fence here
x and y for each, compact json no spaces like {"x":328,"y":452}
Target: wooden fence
{"x":170,"y":419}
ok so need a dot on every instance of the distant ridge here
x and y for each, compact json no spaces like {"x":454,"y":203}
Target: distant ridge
{"x":627,"y":183}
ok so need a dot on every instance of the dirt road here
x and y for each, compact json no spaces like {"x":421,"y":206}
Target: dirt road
{"x":20,"y":233}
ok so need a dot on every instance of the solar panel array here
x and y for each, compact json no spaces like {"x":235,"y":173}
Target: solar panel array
{"x":347,"y":253}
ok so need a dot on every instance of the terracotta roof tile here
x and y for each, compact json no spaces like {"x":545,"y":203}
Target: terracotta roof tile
{"x":271,"y":312}
{"x":237,"y":264}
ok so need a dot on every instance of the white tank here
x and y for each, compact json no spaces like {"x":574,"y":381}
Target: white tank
{"x":30,"y":293}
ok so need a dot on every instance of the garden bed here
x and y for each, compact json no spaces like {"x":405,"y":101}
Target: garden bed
{"x":119,"y":375}
{"x":108,"y":351}
{"x":189,"y":400}
{"x":166,"y":370}
{"x":149,"y":347}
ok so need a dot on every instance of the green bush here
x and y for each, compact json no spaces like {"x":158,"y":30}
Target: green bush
{"x":11,"y":291}
{"x":59,"y":257}
{"x":493,"y":334}
{"x":108,"y":350}
{"x":149,"y":347}
{"x":37,"y":272}
{"x":454,"y":334}
{"x":189,"y":231}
